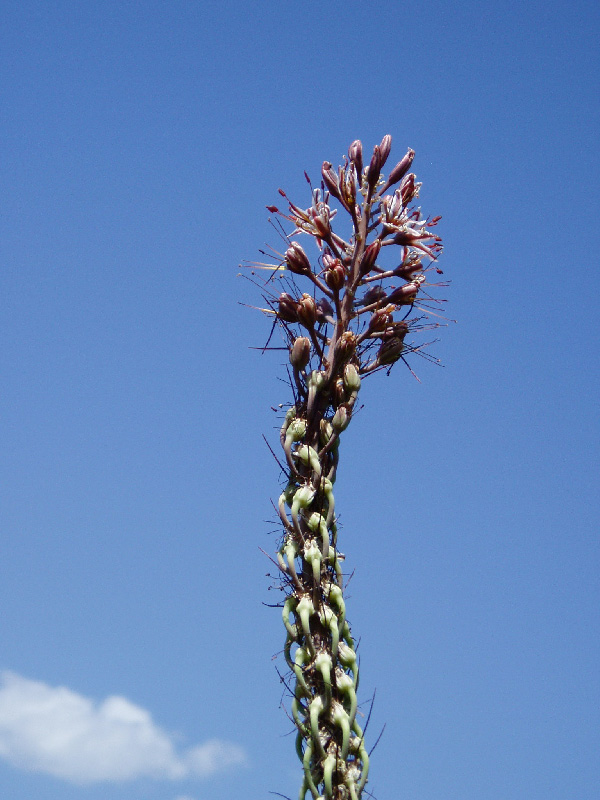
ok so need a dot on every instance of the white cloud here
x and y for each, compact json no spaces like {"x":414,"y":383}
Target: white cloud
{"x":59,"y":732}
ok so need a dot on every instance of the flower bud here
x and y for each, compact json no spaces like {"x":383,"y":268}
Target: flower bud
{"x":287,"y":308}
{"x":400,"y":169}
{"x":330,"y":179}
{"x":370,"y":257}
{"x":404,"y":295}
{"x":296,"y":259}
{"x":307,"y":311}
{"x":351,"y":378}
{"x":384,"y":149}
{"x":300,"y":352}
{"x":374,"y":168}
{"x":355,"y":155}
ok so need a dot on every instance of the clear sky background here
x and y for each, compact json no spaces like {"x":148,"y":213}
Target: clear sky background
{"x":141,"y":142}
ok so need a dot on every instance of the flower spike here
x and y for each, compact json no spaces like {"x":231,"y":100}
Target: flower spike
{"x":338,"y":332}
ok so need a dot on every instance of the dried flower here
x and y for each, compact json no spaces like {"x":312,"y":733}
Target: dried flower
{"x":296,"y":259}
{"x":287,"y":308}
{"x":307,"y":311}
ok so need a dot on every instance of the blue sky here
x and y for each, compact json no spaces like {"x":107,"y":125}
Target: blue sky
{"x":141,"y":142}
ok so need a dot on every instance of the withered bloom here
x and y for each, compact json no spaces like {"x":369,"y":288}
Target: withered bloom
{"x":339,"y":327}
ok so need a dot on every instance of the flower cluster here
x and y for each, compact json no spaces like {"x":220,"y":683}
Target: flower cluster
{"x":363,"y":296}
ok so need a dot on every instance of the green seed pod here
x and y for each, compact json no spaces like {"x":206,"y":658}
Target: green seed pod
{"x":328,"y":768}
{"x":289,"y":492}
{"x":312,"y":555}
{"x":345,"y":686}
{"x":323,"y":663}
{"x":339,"y":392}
{"x":296,"y":430}
{"x":316,"y":522}
{"x":297,"y":710}
{"x":316,"y":380}
{"x":315,"y":709}
{"x":299,"y":743}
{"x":339,"y":716}
{"x":327,"y":488}
{"x":347,"y":657}
{"x":301,"y":658}
{"x":341,"y":419}
{"x":326,"y":430}
{"x":329,"y":619}
{"x":364,"y":757}
{"x":302,"y":499}
{"x":351,"y":378}
{"x":306,"y":763}
{"x":310,"y":458}
{"x":303,"y":496}
{"x":304,"y":610}
{"x":289,"y":416}
{"x":288,"y":607}
{"x":336,"y":598}
{"x":290,"y":550}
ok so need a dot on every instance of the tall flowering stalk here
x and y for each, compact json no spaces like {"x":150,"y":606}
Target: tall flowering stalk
{"x":365,"y":295}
